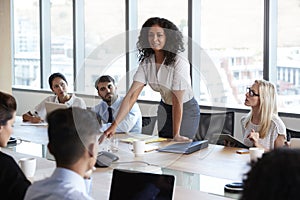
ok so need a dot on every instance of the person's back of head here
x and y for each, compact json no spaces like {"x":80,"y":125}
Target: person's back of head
{"x":275,"y":176}
{"x":8,"y":106}
{"x":70,"y":133}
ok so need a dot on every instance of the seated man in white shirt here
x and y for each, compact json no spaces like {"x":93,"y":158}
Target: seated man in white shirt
{"x":109,"y":106}
{"x":73,"y":134}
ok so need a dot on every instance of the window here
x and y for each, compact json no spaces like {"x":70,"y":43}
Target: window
{"x":87,"y":39}
{"x":26,"y":54}
{"x":61,"y":40}
{"x":104,"y":36}
{"x":232,"y":39}
{"x":288,"y":56}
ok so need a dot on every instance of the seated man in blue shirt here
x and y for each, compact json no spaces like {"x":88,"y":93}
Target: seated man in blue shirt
{"x":73,"y":134}
{"x":109,"y":106}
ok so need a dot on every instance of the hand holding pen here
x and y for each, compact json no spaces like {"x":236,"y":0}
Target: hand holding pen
{"x":33,"y":118}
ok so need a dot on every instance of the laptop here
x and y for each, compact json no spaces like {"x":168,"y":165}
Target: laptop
{"x":185,"y":148}
{"x":51,"y":106}
{"x":142,"y":185}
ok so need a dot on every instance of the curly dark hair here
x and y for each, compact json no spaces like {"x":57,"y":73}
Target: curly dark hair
{"x":174,"y":40}
{"x":275,"y":176}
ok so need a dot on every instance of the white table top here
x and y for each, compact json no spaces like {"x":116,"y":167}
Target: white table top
{"x":198,"y":174}
{"x":36,"y":133}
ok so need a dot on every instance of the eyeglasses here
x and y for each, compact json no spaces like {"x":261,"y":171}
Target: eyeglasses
{"x":251,"y":92}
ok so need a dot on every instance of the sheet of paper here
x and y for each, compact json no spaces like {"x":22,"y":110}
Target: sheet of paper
{"x":147,"y":140}
{"x":34,"y":124}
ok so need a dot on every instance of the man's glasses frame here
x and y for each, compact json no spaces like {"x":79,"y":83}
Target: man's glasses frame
{"x":251,"y":92}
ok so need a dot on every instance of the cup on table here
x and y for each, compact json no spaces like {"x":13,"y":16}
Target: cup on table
{"x":138,"y":147}
{"x":114,"y":144}
{"x":28,"y":166}
{"x":255,"y":153}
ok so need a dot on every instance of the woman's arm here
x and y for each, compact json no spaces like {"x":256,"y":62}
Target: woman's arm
{"x":31,"y":118}
{"x":126,"y":106}
{"x":177,"y":110}
{"x":254,"y":136}
{"x":280,"y":141}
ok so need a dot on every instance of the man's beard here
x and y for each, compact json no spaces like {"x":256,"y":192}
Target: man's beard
{"x":108,"y":99}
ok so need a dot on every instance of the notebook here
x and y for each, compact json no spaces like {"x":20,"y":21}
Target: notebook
{"x":147,"y":140}
{"x":142,"y":185}
{"x":185,"y":148}
{"x":51,"y":106}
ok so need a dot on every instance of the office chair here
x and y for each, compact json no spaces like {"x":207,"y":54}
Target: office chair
{"x":148,"y":124}
{"x":292,"y":134}
{"x":211,"y":123}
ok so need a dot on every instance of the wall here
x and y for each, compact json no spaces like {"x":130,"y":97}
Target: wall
{"x":5,"y":50}
{"x":28,"y":99}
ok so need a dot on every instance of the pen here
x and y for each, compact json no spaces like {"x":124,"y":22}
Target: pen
{"x":35,"y":114}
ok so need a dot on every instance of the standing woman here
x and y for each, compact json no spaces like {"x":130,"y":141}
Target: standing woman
{"x":262,"y":126}
{"x":59,"y":86}
{"x":13,"y":183}
{"x":167,"y":72}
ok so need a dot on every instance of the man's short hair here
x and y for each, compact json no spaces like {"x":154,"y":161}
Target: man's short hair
{"x":104,"y":78}
{"x":70,"y":131}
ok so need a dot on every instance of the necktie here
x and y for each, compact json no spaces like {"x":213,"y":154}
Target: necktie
{"x":110,"y":115}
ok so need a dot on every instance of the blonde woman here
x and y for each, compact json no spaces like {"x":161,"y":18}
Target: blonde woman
{"x":262,"y":127}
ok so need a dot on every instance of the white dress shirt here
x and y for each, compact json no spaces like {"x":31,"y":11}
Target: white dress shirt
{"x":131,"y":123}
{"x":167,"y":78}
{"x":63,"y":184}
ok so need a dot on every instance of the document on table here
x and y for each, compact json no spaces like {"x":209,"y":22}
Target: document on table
{"x":34,"y":124}
{"x":147,"y":140}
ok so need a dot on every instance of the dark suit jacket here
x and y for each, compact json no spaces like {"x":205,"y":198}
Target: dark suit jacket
{"x":13,"y":183}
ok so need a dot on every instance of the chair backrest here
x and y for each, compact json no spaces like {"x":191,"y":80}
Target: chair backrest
{"x":210,"y":123}
{"x":148,"y":124}
{"x":295,"y":143}
{"x":292,"y":134}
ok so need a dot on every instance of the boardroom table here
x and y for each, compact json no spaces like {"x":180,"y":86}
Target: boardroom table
{"x":200,"y":175}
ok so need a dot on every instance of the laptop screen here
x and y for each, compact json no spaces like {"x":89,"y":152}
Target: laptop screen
{"x":134,"y":185}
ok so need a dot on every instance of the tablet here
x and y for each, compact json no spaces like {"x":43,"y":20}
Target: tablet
{"x":51,"y":106}
{"x":220,"y":138}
